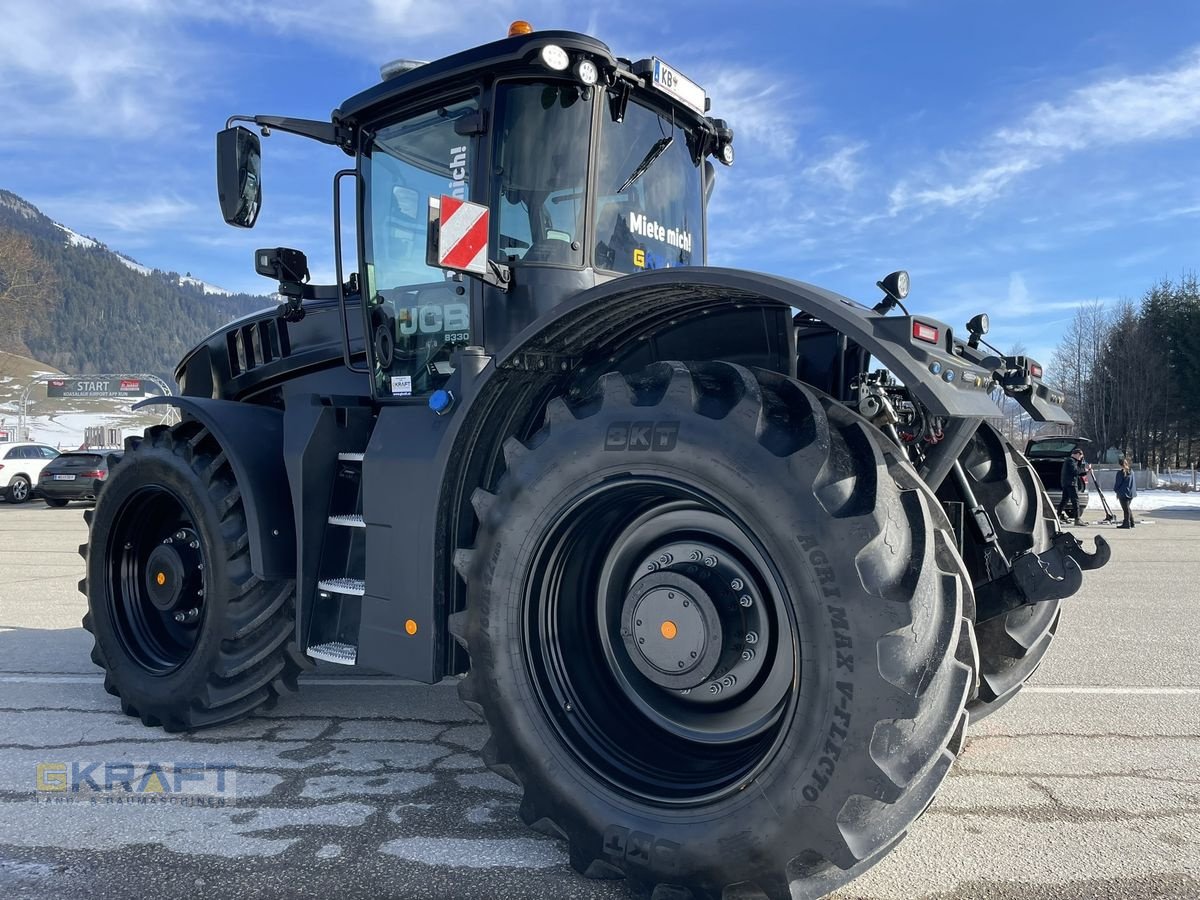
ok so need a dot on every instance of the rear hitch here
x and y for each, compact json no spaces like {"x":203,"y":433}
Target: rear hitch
{"x":1053,"y":574}
{"x":1069,"y":545}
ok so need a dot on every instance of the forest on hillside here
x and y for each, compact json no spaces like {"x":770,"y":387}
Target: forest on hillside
{"x":82,"y":309}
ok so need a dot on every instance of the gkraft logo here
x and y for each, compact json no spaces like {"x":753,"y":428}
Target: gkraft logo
{"x":188,"y":783}
{"x":658,"y":437}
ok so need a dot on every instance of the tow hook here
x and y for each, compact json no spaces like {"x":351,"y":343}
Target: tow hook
{"x":1053,"y":574}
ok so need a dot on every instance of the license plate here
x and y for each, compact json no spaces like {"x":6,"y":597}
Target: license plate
{"x":681,"y":88}
{"x":64,"y":477}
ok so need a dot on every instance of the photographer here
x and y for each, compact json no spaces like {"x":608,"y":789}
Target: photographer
{"x":1073,"y":471}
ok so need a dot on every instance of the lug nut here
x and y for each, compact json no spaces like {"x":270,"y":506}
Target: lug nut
{"x":746,"y":600}
{"x":737,"y":584}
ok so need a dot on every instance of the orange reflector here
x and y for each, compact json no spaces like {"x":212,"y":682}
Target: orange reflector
{"x":923,"y":332}
{"x":519,"y":27}
{"x":668,"y":630}
{"x":410,"y":626}
{"x":161,"y":578}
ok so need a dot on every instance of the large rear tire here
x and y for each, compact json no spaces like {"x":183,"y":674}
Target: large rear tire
{"x":1013,"y":645}
{"x":188,"y":636}
{"x":713,"y":618}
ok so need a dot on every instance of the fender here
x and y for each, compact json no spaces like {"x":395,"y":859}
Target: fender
{"x":252,"y":437}
{"x":589,"y":328}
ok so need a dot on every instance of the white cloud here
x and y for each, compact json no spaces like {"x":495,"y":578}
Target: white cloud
{"x":842,"y":168}
{"x":1138,"y":108}
{"x":761,"y":110}
{"x":130,"y":215}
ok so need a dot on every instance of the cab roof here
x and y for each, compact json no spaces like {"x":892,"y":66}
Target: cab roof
{"x":512,"y":55}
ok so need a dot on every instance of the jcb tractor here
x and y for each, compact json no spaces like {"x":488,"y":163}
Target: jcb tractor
{"x":726,"y":561}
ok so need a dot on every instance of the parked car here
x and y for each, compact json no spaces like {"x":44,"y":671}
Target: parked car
{"x":1047,"y":455}
{"x":20,"y":465}
{"x":75,"y":475}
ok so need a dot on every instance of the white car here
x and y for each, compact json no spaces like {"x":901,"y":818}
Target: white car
{"x":20,"y":465}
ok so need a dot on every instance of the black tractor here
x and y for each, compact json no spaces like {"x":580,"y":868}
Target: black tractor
{"x":726,"y":561}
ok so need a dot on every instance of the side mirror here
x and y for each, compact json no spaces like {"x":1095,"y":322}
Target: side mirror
{"x":239,"y":175}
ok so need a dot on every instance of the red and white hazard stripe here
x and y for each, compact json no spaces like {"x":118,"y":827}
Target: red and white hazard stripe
{"x":463,"y":238}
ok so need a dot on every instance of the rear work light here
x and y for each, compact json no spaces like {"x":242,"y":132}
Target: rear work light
{"x":923,"y":332}
{"x":1035,"y":371}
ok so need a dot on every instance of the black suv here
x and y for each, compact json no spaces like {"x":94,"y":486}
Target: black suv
{"x":76,"y":475}
{"x":1047,"y":456}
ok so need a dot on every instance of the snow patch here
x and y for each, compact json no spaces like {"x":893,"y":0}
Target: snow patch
{"x":205,"y":286}
{"x":77,"y":240}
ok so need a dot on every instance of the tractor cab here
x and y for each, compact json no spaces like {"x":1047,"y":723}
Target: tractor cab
{"x":575,"y":167}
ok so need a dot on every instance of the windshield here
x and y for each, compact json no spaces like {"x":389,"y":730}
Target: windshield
{"x":541,"y":171}
{"x":649,"y":194}
{"x":417,"y":316}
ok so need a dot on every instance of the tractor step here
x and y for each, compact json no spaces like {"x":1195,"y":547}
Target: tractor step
{"x":335,"y":652}
{"x":354,"y":587}
{"x":352,"y":520}
{"x":351,"y":457}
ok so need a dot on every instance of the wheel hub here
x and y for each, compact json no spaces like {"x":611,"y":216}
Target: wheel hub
{"x":671,"y":630}
{"x":164,"y":577}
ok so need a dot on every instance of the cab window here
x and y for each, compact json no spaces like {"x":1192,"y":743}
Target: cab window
{"x":417,"y":313}
{"x":541,"y":162}
{"x":649,"y":194}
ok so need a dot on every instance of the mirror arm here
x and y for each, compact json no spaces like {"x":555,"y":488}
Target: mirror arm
{"x":325,"y":132}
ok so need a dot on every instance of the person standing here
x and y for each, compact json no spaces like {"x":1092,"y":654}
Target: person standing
{"x":1126,"y":489}
{"x":1073,"y":470}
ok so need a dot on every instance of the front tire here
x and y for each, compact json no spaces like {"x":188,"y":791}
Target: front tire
{"x":188,"y":636}
{"x":631,"y":550}
{"x":1013,"y":645}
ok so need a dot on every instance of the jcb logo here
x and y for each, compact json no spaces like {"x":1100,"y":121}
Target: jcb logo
{"x":657,"y":436}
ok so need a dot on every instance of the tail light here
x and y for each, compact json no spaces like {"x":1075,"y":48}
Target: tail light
{"x":923,"y":332}
{"x":1035,"y":371}
{"x":94,"y":473}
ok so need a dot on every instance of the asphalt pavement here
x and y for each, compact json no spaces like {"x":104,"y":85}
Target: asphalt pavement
{"x":1086,"y":786}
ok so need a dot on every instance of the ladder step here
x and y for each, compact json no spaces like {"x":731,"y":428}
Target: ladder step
{"x":351,"y":457}
{"x":354,"y":587}
{"x":335,"y":652}
{"x":351,"y":521}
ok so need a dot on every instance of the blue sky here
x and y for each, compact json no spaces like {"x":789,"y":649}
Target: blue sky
{"x":1015,"y":157}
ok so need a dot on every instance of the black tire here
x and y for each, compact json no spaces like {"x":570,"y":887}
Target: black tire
{"x":852,"y":559}
{"x":56,"y":502}
{"x":18,"y":490}
{"x":1013,"y":645}
{"x":176,"y":490}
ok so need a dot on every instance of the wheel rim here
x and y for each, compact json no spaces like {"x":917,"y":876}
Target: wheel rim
{"x":20,"y":490}
{"x":659,"y":639}
{"x":155,"y":577}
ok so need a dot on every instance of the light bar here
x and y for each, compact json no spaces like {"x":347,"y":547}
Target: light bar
{"x":923,"y":332}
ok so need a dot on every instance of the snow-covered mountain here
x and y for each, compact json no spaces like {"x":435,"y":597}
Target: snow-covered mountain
{"x":110,"y":312}
{"x":78,"y":240}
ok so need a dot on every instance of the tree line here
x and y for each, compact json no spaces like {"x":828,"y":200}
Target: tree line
{"x":1131,"y":374}
{"x":81,"y":309}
